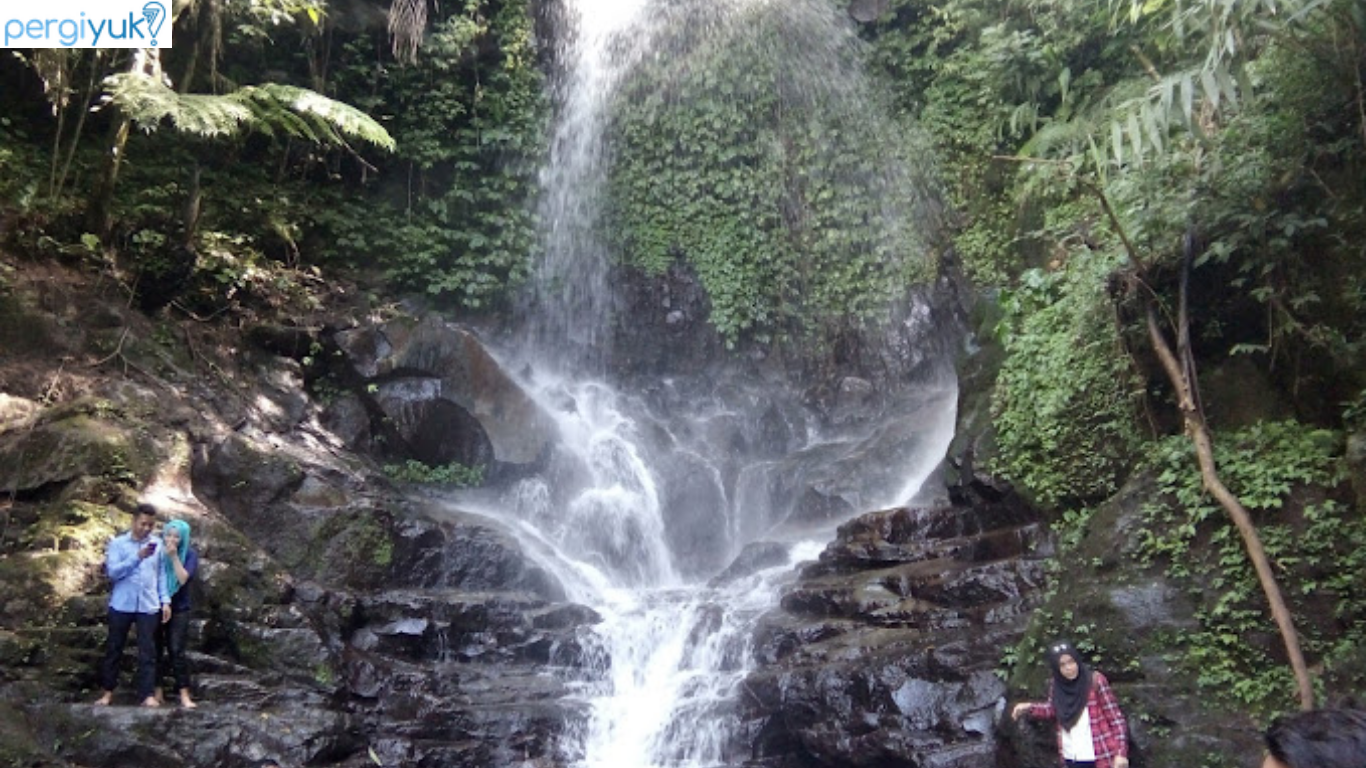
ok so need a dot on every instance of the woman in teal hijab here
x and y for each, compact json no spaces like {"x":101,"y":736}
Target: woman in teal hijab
{"x":179,"y":563}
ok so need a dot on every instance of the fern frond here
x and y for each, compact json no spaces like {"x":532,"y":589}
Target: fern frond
{"x":269,"y":108}
{"x":320,"y":119}
{"x":147,"y":102}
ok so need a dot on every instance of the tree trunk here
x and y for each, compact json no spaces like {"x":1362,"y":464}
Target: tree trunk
{"x":1181,"y":371}
{"x":1209,"y":476}
{"x":99,"y":218}
{"x":95,"y":73}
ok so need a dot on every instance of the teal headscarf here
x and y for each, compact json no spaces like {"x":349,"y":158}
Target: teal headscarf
{"x":183,"y":528}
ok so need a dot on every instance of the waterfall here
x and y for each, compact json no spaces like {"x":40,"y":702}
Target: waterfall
{"x":570,"y":293}
{"x":649,"y":495}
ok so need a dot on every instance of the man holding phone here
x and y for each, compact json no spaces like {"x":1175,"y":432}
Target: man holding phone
{"x":139,"y":597}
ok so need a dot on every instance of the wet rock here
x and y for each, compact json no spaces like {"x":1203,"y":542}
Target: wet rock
{"x":755,"y":557}
{"x":476,"y":555}
{"x":884,"y":652}
{"x":290,"y":725}
{"x":447,"y":394}
{"x":696,"y":529}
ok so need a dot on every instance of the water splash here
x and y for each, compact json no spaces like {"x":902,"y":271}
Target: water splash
{"x":647,"y":495}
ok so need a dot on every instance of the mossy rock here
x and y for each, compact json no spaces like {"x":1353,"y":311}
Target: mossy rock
{"x":23,"y":330}
{"x":18,"y":741}
{"x":87,"y":438}
{"x":74,"y":525}
{"x":353,"y":548}
{"x":59,"y":658}
{"x":35,"y":586}
{"x":974,"y":441}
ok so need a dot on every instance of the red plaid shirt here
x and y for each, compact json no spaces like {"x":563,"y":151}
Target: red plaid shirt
{"x":1109,"y":730}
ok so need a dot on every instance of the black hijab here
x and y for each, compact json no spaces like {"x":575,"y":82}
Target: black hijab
{"x":1069,"y":696}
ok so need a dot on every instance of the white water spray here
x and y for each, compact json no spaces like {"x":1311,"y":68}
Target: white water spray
{"x":639,"y":503}
{"x":571,"y":292}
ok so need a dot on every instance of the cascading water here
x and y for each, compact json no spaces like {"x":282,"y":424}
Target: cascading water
{"x":571,"y":290}
{"x":649,"y":495}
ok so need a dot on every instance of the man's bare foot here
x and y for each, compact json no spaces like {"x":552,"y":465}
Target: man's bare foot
{"x":151,"y":701}
{"x":158,"y":695}
{"x":186,"y":701}
{"x":105,"y":700}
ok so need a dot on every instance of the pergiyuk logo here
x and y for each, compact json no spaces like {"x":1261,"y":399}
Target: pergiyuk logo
{"x":87,"y":24}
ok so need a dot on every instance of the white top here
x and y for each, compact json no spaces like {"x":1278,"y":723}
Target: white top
{"x":1076,"y":741}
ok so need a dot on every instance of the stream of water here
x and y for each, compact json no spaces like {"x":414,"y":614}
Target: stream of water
{"x":674,"y":645}
{"x":646,"y":498}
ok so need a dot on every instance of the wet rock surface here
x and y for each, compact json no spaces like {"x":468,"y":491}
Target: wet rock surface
{"x":884,"y":652}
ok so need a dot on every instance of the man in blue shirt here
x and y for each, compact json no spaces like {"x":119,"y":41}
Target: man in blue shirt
{"x":139,"y":597}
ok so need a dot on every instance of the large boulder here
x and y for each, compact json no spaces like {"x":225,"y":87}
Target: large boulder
{"x":1106,"y":598}
{"x":446,"y":395}
{"x":87,"y":437}
{"x":884,"y":653}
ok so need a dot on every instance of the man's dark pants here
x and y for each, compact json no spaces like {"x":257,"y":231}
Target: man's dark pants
{"x":119,"y":624}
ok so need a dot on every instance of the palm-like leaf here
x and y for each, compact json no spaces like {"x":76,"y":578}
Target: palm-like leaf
{"x":148,"y":102}
{"x":270,"y":108}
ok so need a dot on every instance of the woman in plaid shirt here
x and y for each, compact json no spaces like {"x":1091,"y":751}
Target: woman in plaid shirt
{"x":1092,"y":732}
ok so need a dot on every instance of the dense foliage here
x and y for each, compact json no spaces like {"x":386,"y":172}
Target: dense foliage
{"x":1289,"y":475}
{"x":268,"y":100}
{"x":760,"y":155}
{"x":452,"y":215}
{"x":1065,"y":399}
{"x":1235,"y":133}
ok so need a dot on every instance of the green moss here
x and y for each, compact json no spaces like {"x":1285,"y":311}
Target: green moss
{"x":88,"y":437}
{"x":324,"y":674}
{"x":355,"y":548}
{"x":1065,"y":401}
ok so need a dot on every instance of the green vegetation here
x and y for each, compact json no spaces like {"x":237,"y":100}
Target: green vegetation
{"x":770,"y":172}
{"x":1231,"y":133}
{"x":1065,"y":402}
{"x":451,"y":214}
{"x":1290,"y":475}
{"x":452,"y":474}
{"x":324,"y":153}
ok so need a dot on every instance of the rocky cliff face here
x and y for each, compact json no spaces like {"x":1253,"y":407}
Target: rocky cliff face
{"x":338,"y":621}
{"x":342,"y":621}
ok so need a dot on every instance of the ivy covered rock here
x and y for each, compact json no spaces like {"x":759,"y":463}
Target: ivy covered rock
{"x":1130,"y":619}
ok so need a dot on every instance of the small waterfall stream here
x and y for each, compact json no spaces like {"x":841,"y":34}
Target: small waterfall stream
{"x":647,"y":497}
{"x":671,"y":650}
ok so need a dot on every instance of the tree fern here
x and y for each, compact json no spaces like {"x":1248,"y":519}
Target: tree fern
{"x":148,"y":103}
{"x":320,"y":119}
{"x":270,"y":108}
